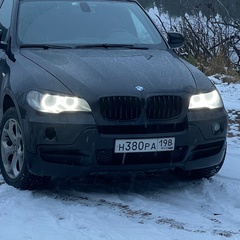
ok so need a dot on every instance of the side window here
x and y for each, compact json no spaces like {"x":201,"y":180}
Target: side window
{"x":5,"y":17}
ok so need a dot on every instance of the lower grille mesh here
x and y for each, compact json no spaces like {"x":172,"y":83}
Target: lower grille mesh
{"x":207,"y":150}
{"x":107,"y":157}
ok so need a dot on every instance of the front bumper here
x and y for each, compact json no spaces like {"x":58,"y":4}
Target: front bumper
{"x":57,"y":148}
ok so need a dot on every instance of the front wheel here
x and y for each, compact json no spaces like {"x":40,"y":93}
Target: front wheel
{"x":12,"y":152}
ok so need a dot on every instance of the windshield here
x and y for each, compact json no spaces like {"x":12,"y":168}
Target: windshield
{"x":82,"y":23}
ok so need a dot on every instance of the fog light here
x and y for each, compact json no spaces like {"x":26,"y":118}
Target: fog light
{"x":50,"y":134}
{"x":216,"y":127}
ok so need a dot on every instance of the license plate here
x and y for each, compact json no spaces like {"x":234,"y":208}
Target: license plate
{"x":144,"y":145}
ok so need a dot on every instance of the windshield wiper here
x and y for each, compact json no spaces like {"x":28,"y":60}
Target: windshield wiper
{"x":109,"y":45}
{"x":45,"y":46}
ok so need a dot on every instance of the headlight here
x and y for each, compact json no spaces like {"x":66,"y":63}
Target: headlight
{"x":55,"y":103}
{"x":209,"y":100}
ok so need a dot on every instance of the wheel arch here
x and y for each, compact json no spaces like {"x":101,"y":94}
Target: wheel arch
{"x":8,"y":101}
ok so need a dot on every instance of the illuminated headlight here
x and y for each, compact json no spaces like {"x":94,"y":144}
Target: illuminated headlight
{"x":56,"y":104}
{"x":209,"y":100}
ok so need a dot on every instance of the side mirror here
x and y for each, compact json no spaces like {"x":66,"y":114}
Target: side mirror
{"x":175,"y":39}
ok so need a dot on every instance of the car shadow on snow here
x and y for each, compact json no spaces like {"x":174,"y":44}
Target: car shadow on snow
{"x":120,"y":183}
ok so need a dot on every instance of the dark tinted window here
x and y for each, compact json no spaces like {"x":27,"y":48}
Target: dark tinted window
{"x":90,"y":22}
{"x":5,"y":17}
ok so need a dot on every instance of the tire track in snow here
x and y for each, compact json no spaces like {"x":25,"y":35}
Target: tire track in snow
{"x":196,"y":207}
{"x":192,"y":207}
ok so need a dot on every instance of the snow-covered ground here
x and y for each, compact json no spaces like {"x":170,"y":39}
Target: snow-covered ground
{"x":141,"y":207}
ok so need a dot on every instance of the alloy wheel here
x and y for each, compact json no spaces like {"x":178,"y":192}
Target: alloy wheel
{"x":12,"y":148}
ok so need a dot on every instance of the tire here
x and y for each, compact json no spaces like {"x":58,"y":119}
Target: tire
{"x":12,"y":155}
{"x":200,"y":173}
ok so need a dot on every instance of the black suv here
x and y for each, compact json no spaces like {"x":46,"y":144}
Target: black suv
{"x":92,"y":86}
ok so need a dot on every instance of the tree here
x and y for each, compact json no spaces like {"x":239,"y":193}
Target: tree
{"x":212,"y":40}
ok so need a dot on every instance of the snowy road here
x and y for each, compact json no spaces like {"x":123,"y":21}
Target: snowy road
{"x":154,"y":207}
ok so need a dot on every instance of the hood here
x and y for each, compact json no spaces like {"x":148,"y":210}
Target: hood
{"x":90,"y":73}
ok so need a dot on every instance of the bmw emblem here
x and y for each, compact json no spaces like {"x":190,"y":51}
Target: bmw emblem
{"x":139,"y":88}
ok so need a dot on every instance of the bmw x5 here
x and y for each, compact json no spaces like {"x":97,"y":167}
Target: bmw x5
{"x":93,"y":86}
